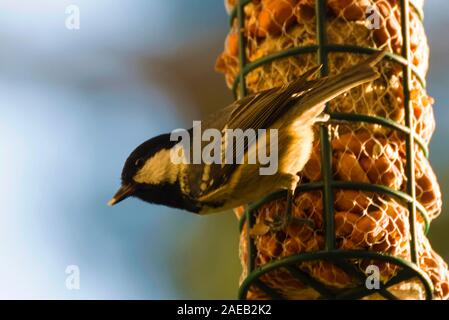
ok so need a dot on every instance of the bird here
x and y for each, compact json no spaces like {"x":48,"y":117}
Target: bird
{"x":150,"y":174}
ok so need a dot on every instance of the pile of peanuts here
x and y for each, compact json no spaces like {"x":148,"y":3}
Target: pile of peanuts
{"x":361,"y":152}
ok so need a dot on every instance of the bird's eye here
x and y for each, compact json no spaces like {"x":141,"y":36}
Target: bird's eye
{"x":138,"y":162}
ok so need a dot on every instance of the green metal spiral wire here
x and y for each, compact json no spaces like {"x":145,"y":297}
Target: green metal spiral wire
{"x":338,"y":257}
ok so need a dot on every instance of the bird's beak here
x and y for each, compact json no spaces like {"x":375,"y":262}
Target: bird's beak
{"x":124,"y":192}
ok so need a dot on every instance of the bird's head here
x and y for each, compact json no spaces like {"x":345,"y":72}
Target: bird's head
{"x":147,"y":171}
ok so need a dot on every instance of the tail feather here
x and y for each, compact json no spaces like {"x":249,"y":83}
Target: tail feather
{"x":325,"y":89}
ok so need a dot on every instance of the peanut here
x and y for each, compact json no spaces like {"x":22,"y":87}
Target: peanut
{"x":390,"y":29}
{"x":382,"y":171}
{"x":330,"y":274}
{"x":239,"y":211}
{"x":348,"y":168}
{"x":351,"y":141}
{"x":274,"y":15}
{"x":268,"y":246}
{"x":349,"y":9}
{"x":352,"y":200}
{"x":345,"y":222}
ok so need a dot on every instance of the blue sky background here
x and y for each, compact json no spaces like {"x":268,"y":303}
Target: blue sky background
{"x":74,"y":104}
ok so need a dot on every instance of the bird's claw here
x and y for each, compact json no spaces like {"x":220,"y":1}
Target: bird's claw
{"x":280,"y":223}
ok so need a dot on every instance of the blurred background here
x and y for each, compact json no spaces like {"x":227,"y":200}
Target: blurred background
{"x":73,"y":104}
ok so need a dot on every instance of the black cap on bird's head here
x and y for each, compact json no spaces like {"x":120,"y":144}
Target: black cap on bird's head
{"x":133,"y":166}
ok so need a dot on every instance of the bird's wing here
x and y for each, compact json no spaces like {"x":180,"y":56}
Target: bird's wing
{"x":256,"y":111}
{"x":262,"y":110}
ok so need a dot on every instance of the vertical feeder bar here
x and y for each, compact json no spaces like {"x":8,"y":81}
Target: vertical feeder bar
{"x":325,"y":135}
{"x":242,"y":46}
{"x":243,"y":91}
{"x":242,"y":86}
{"x":410,"y":144}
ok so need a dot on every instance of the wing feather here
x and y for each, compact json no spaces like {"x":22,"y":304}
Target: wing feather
{"x":263,"y":109}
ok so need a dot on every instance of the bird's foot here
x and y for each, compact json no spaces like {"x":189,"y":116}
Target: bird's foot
{"x":280,"y":223}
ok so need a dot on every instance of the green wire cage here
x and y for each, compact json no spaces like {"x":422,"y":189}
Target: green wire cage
{"x":408,"y":269}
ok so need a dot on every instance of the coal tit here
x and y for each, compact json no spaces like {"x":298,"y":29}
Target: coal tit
{"x":150,"y":174}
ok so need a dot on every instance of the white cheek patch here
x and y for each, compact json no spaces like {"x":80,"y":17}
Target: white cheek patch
{"x":158,"y":169}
